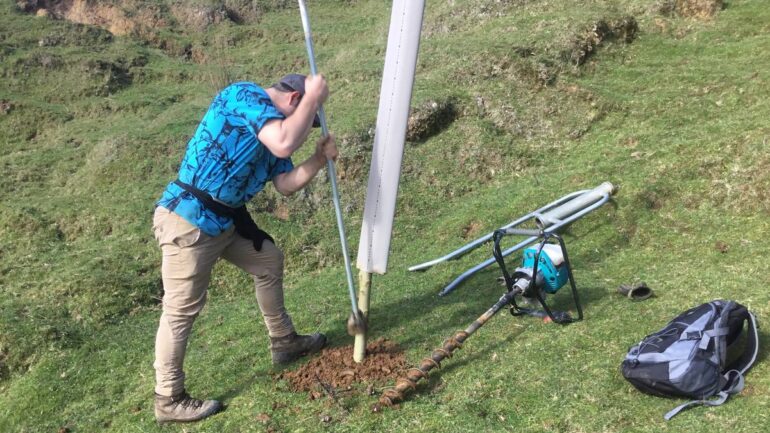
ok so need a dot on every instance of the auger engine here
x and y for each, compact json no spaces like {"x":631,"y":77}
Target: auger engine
{"x":544,"y":270}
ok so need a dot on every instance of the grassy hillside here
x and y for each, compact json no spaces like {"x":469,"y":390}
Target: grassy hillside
{"x":546,"y":98}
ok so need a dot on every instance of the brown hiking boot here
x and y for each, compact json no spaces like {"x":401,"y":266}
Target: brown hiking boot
{"x":183,"y":408}
{"x":292,"y":347}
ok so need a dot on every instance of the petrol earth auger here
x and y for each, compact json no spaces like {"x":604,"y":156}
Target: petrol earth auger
{"x":544,"y":269}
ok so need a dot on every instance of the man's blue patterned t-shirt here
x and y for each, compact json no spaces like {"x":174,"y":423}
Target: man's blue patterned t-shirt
{"x":225,"y":158}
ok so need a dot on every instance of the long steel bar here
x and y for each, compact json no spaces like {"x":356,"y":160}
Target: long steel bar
{"x":572,"y":206}
{"x":478,"y":242}
{"x":329,"y":162}
{"x":601,"y":193}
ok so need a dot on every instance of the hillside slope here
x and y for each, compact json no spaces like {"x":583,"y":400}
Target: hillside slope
{"x":537,"y":99}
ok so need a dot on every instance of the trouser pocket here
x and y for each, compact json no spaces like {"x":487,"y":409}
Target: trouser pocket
{"x":173,"y":232}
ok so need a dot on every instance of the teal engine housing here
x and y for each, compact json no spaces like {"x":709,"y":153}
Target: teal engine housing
{"x":551,"y":267}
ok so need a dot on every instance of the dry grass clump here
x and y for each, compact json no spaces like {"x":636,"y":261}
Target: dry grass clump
{"x":198,"y":17}
{"x":700,"y":9}
{"x":739,"y":179}
{"x":355,"y":156}
{"x":584,"y":45}
{"x":429,"y":118}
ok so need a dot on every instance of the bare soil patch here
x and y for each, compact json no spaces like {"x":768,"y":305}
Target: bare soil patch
{"x":335,"y":370}
{"x":111,"y":16}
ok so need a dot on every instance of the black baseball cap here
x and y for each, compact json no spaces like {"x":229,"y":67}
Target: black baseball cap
{"x":295,"y":83}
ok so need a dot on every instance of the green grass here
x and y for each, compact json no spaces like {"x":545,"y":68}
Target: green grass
{"x":677,"y":119}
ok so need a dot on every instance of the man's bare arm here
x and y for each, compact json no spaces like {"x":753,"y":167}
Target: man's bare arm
{"x":284,"y":136}
{"x":293,"y":181}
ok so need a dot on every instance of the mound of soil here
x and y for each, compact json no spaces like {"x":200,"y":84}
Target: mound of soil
{"x":334,"y":368}
{"x":353,"y":163}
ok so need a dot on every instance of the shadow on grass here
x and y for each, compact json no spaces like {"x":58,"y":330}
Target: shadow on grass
{"x":415,"y":310}
{"x":434,"y":383}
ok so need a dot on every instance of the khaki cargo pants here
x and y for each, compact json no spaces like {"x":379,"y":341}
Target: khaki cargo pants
{"x":188,"y":257}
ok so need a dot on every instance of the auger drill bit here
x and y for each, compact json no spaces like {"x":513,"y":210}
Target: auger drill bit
{"x":393,"y":395}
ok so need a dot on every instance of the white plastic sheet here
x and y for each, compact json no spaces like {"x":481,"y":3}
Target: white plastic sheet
{"x":390,"y":134}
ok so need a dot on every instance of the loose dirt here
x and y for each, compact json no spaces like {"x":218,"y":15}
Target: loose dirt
{"x":334,"y":369}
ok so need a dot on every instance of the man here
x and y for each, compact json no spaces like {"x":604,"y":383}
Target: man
{"x":244,"y":140}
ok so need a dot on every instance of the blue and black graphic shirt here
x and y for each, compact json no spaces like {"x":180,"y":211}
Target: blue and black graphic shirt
{"x":225,"y":158}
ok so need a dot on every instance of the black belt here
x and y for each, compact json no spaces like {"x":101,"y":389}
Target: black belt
{"x":244,"y":224}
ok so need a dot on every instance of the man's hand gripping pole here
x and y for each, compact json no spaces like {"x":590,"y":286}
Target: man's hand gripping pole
{"x":357,"y":321}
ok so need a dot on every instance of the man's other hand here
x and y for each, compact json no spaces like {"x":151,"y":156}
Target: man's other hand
{"x":325,"y":148}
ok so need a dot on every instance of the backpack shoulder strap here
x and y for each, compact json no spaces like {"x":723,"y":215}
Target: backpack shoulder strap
{"x":734,"y":385}
{"x":746,"y":361}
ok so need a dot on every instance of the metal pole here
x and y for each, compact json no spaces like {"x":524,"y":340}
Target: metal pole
{"x":478,"y":242}
{"x":551,"y":228}
{"x":329,"y":162}
{"x":589,"y":197}
{"x":549,"y":218}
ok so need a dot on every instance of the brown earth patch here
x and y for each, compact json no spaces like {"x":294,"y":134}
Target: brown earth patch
{"x":143,"y":19}
{"x":281,"y":211}
{"x":334,"y":369}
{"x":112,"y":17}
{"x":471,"y":229}
{"x":721,"y":247}
{"x":355,"y":155}
{"x":652,"y":200}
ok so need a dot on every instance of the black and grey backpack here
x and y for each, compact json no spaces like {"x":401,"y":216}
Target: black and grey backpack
{"x":698,"y":355}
